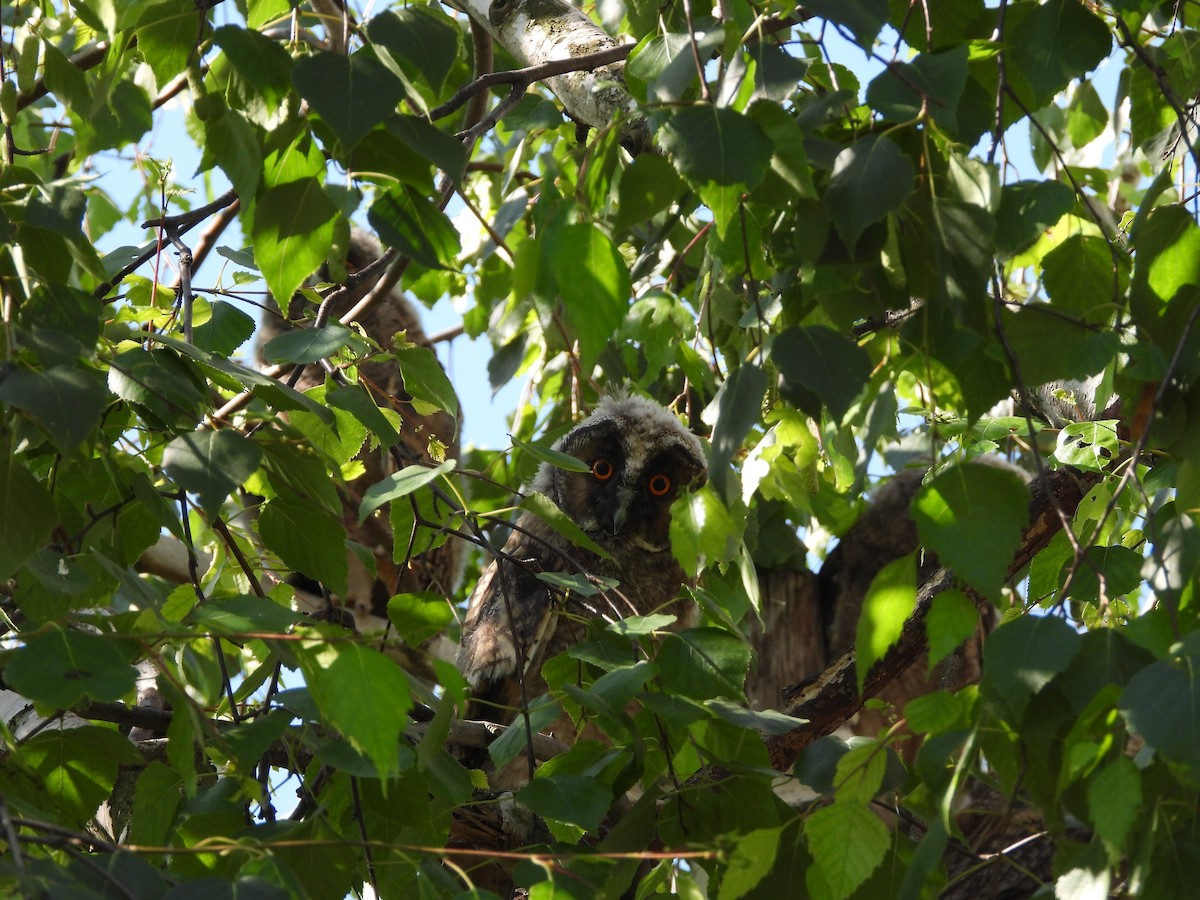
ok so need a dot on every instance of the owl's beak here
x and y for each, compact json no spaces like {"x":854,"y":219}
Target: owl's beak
{"x":621,"y":513}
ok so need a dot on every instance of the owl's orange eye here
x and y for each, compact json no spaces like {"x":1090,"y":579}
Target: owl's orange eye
{"x":602,"y":469}
{"x":659,"y":485}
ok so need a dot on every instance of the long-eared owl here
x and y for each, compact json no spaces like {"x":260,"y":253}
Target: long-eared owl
{"x":640,"y":458}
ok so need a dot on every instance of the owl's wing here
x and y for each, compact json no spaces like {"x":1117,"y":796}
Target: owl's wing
{"x":509,"y":619}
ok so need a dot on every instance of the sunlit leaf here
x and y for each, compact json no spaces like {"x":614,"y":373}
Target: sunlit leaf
{"x":972,"y":516}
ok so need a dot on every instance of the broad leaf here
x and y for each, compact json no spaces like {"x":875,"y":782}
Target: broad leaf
{"x":307,"y":538}
{"x":719,"y":145}
{"x":594,"y":284}
{"x":408,"y":221}
{"x":352,"y":93}
{"x":306,"y":345}
{"x":1020,"y":657}
{"x":871,"y":178}
{"x":26,"y":514}
{"x":823,"y":364}
{"x":418,"y":617}
{"x":211,"y":464}
{"x":338,"y":675}
{"x":573,"y":799}
{"x":703,"y":663}
{"x":399,"y":484}
{"x":61,"y":666}
{"x":292,"y":233}
{"x":972,"y":516}
{"x":847,"y":842}
{"x":889,"y":602}
{"x":64,"y":400}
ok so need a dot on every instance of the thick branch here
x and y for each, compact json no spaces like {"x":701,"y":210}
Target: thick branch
{"x":537,"y":32}
{"x":832,"y":698}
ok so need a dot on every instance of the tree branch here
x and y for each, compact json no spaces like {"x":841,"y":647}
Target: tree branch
{"x":830,"y":699}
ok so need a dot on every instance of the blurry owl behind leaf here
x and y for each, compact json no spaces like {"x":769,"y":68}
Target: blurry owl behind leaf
{"x":640,"y":458}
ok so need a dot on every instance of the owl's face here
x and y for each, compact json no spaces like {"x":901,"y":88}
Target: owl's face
{"x":640,"y":458}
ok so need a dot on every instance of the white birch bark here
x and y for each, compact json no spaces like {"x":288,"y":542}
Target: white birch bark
{"x":542,"y":31}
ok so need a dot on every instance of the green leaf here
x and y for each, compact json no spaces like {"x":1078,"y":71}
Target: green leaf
{"x":260,"y":62}
{"x":166,"y":37}
{"x":1080,"y":351}
{"x":352,"y":93}
{"x":574,"y":799}
{"x":306,"y":345}
{"x":933,"y":81}
{"x":703,"y":663}
{"x":1114,"y":794}
{"x":648,"y":186}
{"x":592,"y":280}
{"x":1020,"y":657}
{"x":1162,"y":704}
{"x":231,"y":143}
{"x":1082,"y":277}
{"x":27,"y":514}
{"x":752,"y":858}
{"x":859,"y":774}
{"x":719,"y":145}
{"x":1027,"y":209}
{"x":1092,"y":446}
{"x":739,"y":408}
{"x":408,"y":221}
{"x":543,"y":711}
{"x":292,"y":233}
{"x":355,"y":400}
{"x":972,"y":516}
{"x":847,"y":842}
{"x":662,"y":68}
{"x":244,"y":614}
{"x":1057,"y":41}
{"x":564,"y":461}
{"x":125,"y":116}
{"x":60,"y":667}
{"x":546,"y":510}
{"x":863,"y":17}
{"x":823,"y":363}
{"x":78,"y":767}
{"x":888,"y":604}
{"x":639,"y":626}
{"x":345,"y":680}
{"x":399,"y":484}
{"x":1166,"y":273}
{"x":933,"y":713}
{"x":226,"y":329}
{"x":246,"y":743}
{"x":418,"y":617}
{"x":1120,"y":567}
{"x":768,"y":721}
{"x":1087,"y":117}
{"x":424,"y":42}
{"x":238,"y":377}
{"x":952,"y":618}
{"x":430,"y":142}
{"x":702,"y":530}
{"x":307,"y":538}
{"x":160,"y":383}
{"x":64,"y":400}
{"x":156,"y":797}
{"x":871,"y":178}
{"x":425,"y":381}
{"x":211,"y":464}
